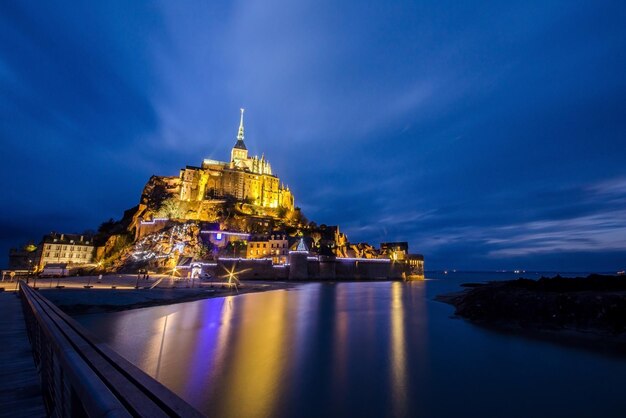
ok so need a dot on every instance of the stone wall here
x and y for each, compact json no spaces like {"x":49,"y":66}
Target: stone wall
{"x":304,"y":267}
{"x":149,"y":227}
{"x":246,"y":269}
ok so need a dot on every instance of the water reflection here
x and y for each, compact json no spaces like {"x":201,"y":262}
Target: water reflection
{"x":158,"y":368}
{"x":256,"y":358}
{"x":352,"y":349}
{"x":398,"y":359}
{"x":210,"y":346}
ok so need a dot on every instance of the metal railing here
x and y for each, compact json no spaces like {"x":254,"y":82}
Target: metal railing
{"x":82,"y":377}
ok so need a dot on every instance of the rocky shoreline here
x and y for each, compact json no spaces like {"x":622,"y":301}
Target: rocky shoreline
{"x":582,"y":309}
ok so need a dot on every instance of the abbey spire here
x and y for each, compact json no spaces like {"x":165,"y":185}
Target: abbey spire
{"x":239,"y":151}
{"x":240,"y":133}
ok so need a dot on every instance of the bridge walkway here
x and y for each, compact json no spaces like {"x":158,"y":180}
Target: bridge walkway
{"x":20,"y":386}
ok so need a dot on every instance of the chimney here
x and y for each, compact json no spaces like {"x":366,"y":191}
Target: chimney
{"x":62,"y":235}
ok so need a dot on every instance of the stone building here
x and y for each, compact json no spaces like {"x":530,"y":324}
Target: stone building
{"x":66,"y":248}
{"x":274,"y":246}
{"x":416,"y":262}
{"x":247,"y":179}
{"x":396,"y":251}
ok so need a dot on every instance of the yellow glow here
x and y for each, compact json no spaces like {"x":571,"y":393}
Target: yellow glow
{"x":253,"y":382}
{"x":398,"y":352}
{"x":149,"y":356}
{"x":341,"y":349}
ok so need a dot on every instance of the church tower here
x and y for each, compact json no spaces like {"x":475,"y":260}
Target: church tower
{"x":239,"y":151}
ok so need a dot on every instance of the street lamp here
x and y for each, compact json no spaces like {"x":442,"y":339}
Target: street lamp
{"x":34,"y":275}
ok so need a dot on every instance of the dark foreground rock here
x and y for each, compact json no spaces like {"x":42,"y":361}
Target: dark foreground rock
{"x":593,"y":305}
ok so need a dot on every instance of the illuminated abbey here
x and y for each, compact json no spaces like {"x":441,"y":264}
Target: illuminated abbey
{"x":247,"y":179}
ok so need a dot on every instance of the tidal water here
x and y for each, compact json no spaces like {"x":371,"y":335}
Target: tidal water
{"x":358,"y":349}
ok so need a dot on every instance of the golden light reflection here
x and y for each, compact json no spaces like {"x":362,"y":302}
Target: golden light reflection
{"x":158,"y":367}
{"x":224,"y":330}
{"x":340,"y":349}
{"x":259,"y":351}
{"x":398,"y":352}
{"x":153,"y":353}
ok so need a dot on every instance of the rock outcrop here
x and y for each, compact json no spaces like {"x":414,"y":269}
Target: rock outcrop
{"x":593,"y":303}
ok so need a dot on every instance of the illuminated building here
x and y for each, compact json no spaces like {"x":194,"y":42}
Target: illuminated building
{"x":399,"y":252}
{"x":247,"y":179}
{"x":396,"y":251}
{"x":416,"y":262}
{"x":66,"y":248}
{"x":274,"y":246}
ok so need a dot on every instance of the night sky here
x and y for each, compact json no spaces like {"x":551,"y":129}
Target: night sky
{"x":489,"y":136}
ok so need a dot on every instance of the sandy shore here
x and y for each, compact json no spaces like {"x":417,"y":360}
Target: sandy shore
{"x":77,"y":300}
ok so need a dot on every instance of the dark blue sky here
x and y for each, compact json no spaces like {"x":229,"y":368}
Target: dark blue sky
{"x":489,"y":136}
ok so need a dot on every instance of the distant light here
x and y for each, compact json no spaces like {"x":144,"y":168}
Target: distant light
{"x":219,"y":235}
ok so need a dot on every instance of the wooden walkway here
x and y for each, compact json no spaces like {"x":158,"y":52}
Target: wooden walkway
{"x":20,"y":390}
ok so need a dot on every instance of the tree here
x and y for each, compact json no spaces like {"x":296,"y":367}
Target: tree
{"x":155,"y":193}
{"x":106,"y":227}
{"x":282,"y":212}
{"x":296,"y":218}
{"x":316,"y":237}
{"x":170,"y":208}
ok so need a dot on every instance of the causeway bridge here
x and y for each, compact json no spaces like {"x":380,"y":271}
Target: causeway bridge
{"x":81,"y":377}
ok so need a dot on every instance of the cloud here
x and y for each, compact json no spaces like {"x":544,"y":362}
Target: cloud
{"x":481,"y":135}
